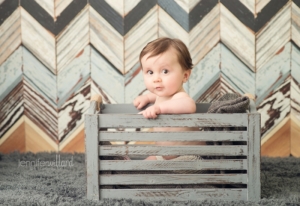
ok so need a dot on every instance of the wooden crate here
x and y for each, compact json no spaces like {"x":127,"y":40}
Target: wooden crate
{"x":234,"y":174}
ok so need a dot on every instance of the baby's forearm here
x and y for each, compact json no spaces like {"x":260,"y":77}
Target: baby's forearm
{"x":151,"y":97}
{"x":178,"y":106}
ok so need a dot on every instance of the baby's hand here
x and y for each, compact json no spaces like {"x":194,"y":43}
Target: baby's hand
{"x":151,"y":112}
{"x":141,"y":101}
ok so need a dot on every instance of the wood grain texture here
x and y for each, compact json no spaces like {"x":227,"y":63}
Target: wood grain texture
{"x":16,"y":139}
{"x":134,"y":83}
{"x":118,"y":6}
{"x":105,"y":75}
{"x":173,"y":136}
{"x":160,"y":179}
{"x":37,"y":140}
{"x":205,"y":35}
{"x":11,"y":108}
{"x":73,"y":76}
{"x":237,"y":37}
{"x":48,"y":6}
{"x":250,"y":4}
{"x":139,"y":165}
{"x":295,"y":136}
{"x":7,"y":7}
{"x":240,"y":77}
{"x":10,"y":35}
{"x":38,"y":40}
{"x":76,"y":144}
{"x":73,"y":39}
{"x":140,"y":34}
{"x":278,"y":145}
{"x":112,"y":48}
{"x":70,"y":114}
{"x":190,"y":120}
{"x":10,"y":73}
{"x":205,"y":73}
{"x":176,"y":195}
{"x":60,"y":6}
{"x":275,"y":107}
{"x":260,"y":4}
{"x":295,"y":24}
{"x":271,"y":39}
{"x":273,"y":73}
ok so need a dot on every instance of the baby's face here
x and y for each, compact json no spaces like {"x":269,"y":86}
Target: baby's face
{"x":163,"y":75}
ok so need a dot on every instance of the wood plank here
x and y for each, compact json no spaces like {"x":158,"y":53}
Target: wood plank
{"x":175,"y":194}
{"x":16,"y":139}
{"x":254,"y":187}
{"x":279,"y":144}
{"x":91,"y":158}
{"x":295,"y":136}
{"x":224,"y":150}
{"x":174,"y":136}
{"x":77,"y":144}
{"x":160,"y":179}
{"x":182,"y":120}
{"x":139,"y":165}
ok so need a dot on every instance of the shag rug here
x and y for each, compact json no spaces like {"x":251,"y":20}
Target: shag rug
{"x":40,"y":182}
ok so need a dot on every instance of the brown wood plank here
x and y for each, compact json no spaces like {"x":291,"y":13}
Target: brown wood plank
{"x":295,"y":137}
{"x":77,"y":144}
{"x":279,"y":144}
{"x":15,"y":141}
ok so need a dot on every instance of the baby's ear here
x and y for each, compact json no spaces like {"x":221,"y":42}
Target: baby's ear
{"x":187,"y":74}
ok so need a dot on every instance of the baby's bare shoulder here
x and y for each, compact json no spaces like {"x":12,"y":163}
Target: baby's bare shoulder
{"x":180,"y":95}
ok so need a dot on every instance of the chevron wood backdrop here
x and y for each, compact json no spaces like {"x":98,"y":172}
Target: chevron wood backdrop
{"x":54,"y":54}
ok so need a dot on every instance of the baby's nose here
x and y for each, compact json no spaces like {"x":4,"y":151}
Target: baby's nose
{"x":157,"y":79}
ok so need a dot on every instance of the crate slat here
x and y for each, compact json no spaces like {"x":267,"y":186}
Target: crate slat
{"x":175,"y":194}
{"x":160,"y":179}
{"x":174,"y":136}
{"x":183,"y":120}
{"x":222,"y":150}
{"x":138,"y":165}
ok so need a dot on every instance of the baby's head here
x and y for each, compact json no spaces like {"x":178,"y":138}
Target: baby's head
{"x":161,"y":45}
{"x":166,"y":65}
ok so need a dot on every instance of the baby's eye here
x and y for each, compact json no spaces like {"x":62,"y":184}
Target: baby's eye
{"x":149,"y":72}
{"x":165,"y":71}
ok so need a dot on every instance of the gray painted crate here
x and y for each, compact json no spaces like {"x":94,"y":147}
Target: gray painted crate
{"x":242,"y":161}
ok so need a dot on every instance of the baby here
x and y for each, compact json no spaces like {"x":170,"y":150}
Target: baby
{"x":166,"y":65}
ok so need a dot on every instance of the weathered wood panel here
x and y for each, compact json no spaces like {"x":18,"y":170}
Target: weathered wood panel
{"x":91,"y":158}
{"x":139,"y":165}
{"x":175,"y":194}
{"x":183,"y":120}
{"x":160,"y":179}
{"x":174,"y":136}
{"x":254,"y":186}
{"x":107,"y":150}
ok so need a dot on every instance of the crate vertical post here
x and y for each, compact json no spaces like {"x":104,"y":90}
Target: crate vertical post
{"x":254,"y":184}
{"x":92,"y":150}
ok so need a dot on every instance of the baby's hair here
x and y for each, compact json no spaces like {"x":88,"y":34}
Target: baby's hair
{"x":162,"y":44}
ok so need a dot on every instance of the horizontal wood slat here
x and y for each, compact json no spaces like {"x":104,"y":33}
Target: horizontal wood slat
{"x":138,"y":165}
{"x":160,"y":179}
{"x":175,"y":194}
{"x":183,"y":120}
{"x":224,"y":150}
{"x":174,"y":136}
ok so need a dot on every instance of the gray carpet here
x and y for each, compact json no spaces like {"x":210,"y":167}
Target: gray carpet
{"x":66,"y":185}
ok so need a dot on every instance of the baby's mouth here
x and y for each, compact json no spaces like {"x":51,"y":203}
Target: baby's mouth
{"x":159,"y":88}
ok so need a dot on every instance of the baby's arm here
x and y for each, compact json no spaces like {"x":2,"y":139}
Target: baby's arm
{"x":143,"y":100}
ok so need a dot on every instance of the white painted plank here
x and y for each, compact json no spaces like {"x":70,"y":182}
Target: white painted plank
{"x":92,"y":158}
{"x":175,"y":194}
{"x":183,"y":120}
{"x":138,"y":165}
{"x":174,"y":136}
{"x":111,"y":150}
{"x":254,"y":185}
{"x":160,"y":179}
